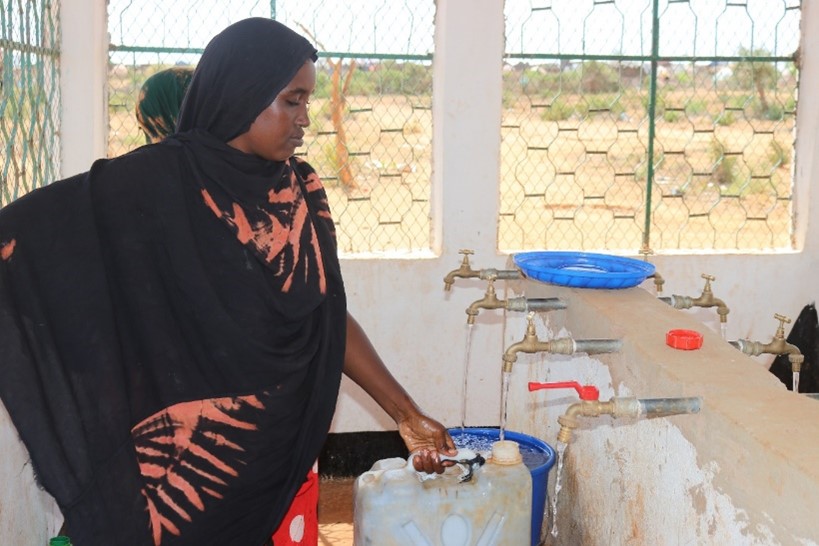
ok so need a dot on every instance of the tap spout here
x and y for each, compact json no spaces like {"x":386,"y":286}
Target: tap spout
{"x":705,"y":300}
{"x":488,"y":301}
{"x":464,"y":271}
{"x":626,"y":406}
{"x":777,"y":346}
{"x":659,"y":281}
{"x":564,"y":346}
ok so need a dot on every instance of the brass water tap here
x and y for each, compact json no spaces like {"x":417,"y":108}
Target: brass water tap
{"x":489,"y":301}
{"x":659,"y":281}
{"x":465,"y":270}
{"x":590,"y":405}
{"x":624,"y":406}
{"x":705,"y":300}
{"x":777,"y":346}
{"x":564,"y":346}
{"x":586,"y":408}
{"x":516,"y":303}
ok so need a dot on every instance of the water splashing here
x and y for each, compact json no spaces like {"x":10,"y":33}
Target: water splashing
{"x":468,"y":358}
{"x":795,"y":381}
{"x":504,"y":401}
{"x":560,"y":450}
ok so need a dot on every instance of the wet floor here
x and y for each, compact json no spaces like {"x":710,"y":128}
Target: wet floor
{"x":335,"y":512}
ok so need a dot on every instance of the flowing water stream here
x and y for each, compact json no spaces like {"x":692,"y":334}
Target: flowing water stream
{"x":560,"y":451}
{"x":504,"y":401}
{"x":468,"y":353}
{"x":795,"y":381}
{"x":504,"y":385}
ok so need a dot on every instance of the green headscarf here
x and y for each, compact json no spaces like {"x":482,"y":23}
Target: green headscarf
{"x":159,"y":101}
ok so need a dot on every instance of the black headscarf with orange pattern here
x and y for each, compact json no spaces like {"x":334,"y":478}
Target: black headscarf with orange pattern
{"x":172,"y":322}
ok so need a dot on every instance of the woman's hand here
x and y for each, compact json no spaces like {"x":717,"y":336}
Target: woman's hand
{"x":424,"y":436}
{"x":426,"y":439}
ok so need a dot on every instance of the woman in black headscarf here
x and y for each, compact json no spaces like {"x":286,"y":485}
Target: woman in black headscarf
{"x":173,"y":323}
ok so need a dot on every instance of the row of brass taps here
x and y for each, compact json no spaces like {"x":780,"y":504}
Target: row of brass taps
{"x":777,"y":346}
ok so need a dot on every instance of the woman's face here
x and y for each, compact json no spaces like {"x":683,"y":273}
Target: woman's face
{"x":279,"y":129}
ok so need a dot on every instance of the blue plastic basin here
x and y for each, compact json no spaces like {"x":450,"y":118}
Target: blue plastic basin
{"x":538,"y":456}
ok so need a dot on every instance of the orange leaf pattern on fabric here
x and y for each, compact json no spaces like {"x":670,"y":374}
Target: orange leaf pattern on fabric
{"x":7,"y":249}
{"x":185,"y":457}
{"x":279,"y":230}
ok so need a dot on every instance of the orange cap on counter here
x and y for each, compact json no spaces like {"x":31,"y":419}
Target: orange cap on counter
{"x":686,"y":340}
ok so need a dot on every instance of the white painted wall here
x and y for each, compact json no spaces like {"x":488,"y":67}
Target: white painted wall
{"x":83,"y":84}
{"x":418,"y":328}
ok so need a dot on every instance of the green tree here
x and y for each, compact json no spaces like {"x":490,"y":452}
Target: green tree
{"x":755,"y":73}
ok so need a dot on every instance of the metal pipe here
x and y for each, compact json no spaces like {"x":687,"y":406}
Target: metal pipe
{"x":501,"y":274}
{"x":598,"y":346}
{"x":522,"y":303}
{"x":661,"y":407}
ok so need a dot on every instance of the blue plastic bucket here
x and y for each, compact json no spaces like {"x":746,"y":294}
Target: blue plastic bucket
{"x":538,"y":456}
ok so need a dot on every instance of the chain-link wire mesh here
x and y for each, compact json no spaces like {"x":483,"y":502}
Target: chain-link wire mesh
{"x":371,"y":122}
{"x":29,"y":96}
{"x":647,"y":124}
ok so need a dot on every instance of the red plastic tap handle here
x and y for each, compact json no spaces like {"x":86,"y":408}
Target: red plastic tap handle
{"x":586,"y":392}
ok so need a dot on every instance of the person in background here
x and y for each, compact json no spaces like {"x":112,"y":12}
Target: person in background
{"x":159,"y":100}
{"x":174,"y":324}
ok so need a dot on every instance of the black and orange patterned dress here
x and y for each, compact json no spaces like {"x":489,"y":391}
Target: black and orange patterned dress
{"x":172,"y":322}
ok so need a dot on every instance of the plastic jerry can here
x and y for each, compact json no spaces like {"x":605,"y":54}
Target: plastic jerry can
{"x":396,"y":506}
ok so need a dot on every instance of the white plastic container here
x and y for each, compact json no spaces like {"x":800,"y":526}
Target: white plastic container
{"x":396,"y":506}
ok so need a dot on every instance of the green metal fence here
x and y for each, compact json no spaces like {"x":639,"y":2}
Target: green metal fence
{"x":370,"y":135}
{"x":647,"y":124}
{"x":29,"y":96}
{"x":627,"y":124}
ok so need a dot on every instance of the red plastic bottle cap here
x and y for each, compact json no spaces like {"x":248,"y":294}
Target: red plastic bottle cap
{"x":686,"y":340}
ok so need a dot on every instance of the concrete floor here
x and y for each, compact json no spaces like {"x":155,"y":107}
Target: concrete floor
{"x":335,"y":512}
